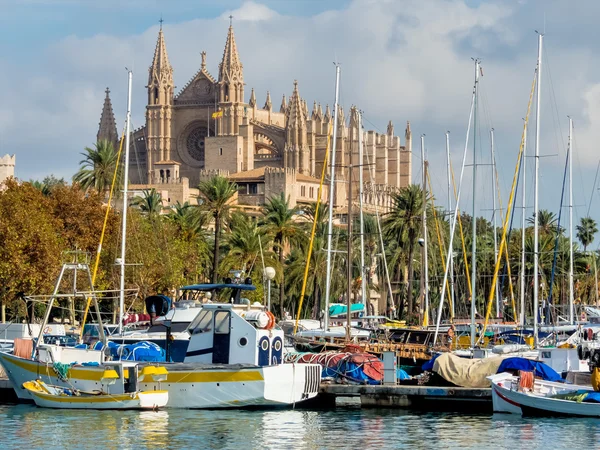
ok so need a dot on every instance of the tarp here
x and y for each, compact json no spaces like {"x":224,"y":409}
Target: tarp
{"x":339,"y":309}
{"x":540,"y":369}
{"x":469,"y":373}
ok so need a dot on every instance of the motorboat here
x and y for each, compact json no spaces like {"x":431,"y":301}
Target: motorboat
{"x":58,"y":397}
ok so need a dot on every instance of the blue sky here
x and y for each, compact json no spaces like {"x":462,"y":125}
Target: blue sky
{"x":404,"y":60}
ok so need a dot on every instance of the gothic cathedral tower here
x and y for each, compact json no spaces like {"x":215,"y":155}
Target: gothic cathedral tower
{"x":160,"y":106}
{"x":231,"y":88}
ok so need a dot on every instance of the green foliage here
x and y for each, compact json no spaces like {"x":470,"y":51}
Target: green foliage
{"x":98,"y":167}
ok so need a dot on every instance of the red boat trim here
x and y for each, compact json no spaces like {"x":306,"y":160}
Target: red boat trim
{"x":506,"y":399}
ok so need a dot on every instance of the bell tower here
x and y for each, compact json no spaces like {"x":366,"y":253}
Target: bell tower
{"x":231,"y":86}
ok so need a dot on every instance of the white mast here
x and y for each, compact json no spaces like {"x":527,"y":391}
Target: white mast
{"x":333,"y":148}
{"x":474,"y":219}
{"x":494,"y":218}
{"x":449,"y":212}
{"x":570,"y":150}
{"x":425,"y":267}
{"x":125,"y":187}
{"x":523,"y":221}
{"x":363,"y":279}
{"x":535,"y":198}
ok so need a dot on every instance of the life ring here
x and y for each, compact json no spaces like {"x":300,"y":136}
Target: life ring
{"x":47,"y":330}
{"x":271,"y":322}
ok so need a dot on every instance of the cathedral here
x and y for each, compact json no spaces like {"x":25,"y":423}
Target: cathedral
{"x":208,"y":128}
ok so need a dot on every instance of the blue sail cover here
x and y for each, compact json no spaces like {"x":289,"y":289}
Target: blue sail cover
{"x":539,"y":369}
{"x":338,"y":309}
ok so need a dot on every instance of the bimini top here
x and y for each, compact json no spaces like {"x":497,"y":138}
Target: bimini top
{"x":218,"y":286}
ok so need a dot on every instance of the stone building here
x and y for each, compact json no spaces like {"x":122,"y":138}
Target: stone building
{"x":7,"y":168}
{"x":208,"y":127}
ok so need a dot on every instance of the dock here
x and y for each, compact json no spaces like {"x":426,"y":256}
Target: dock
{"x":422,"y":398}
{"x":7,"y":393}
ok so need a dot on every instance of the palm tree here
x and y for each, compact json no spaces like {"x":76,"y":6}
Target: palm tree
{"x":403,"y":224}
{"x":279,"y":222}
{"x":98,"y":167}
{"x":215,"y":196}
{"x":586,"y":230}
{"x":149,"y":203}
{"x":188,"y":219}
{"x":547,"y":222}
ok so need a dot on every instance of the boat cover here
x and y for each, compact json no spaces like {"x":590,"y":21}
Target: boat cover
{"x":539,"y":369}
{"x":339,"y":309}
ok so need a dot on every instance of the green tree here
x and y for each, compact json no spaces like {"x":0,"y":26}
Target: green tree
{"x":150,"y":202}
{"x":215,"y":196}
{"x":280,"y":223}
{"x":586,"y":230}
{"x":404,"y":224}
{"x":98,"y":167}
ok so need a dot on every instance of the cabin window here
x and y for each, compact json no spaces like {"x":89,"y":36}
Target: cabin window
{"x":203,"y":322}
{"x":222,"y":322}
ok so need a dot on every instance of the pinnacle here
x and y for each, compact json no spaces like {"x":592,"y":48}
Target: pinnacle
{"x":283,"y":107}
{"x":108,"y":125}
{"x":230,"y":65}
{"x":160,"y":62}
{"x":252,"y":101}
{"x":268,"y":104}
{"x":297,"y":110}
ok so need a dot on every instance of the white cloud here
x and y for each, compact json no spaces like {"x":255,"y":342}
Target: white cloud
{"x":251,"y":11}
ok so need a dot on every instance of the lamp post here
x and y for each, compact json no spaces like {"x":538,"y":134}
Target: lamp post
{"x":269,"y":275}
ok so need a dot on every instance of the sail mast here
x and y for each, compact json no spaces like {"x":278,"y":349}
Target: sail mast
{"x":125,"y":188}
{"x":494,"y":184}
{"x":424,"y":269}
{"x":349,"y":258}
{"x":453,"y":309}
{"x":331,"y":198}
{"x":523,"y":216}
{"x":363,"y":269}
{"x":535,"y":199}
{"x":571,"y":295}
{"x":474,"y":218}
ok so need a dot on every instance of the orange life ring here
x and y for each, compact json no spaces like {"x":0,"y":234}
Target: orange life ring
{"x":47,"y":330}
{"x":271,"y":322}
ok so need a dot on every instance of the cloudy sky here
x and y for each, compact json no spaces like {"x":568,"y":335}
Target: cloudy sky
{"x":404,"y":60}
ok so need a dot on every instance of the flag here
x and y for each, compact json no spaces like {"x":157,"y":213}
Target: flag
{"x":217,"y":114}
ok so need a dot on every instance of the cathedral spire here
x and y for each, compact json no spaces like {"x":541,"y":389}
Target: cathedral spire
{"x":231,"y":74}
{"x":252,"y":101}
{"x":108,"y":125}
{"x":268,"y":105}
{"x":296,"y":110}
{"x":160,"y":74}
{"x":283,"y":107}
{"x":327,"y":113}
{"x":390,"y":129}
{"x":407,"y":133}
{"x":297,"y":151}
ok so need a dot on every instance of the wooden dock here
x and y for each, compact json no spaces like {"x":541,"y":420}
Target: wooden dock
{"x":422,"y":398}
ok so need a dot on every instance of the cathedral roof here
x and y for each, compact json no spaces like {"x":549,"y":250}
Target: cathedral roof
{"x":230,"y":65}
{"x":161,"y":69}
{"x":108,"y":125}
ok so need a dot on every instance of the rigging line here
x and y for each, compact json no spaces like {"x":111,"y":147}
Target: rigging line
{"x":593,"y":189}
{"x":508,"y":210}
{"x":135,"y":151}
{"x":106,"y":215}
{"x":578,"y":160}
{"x":313,"y":231}
{"x":554,"y":102}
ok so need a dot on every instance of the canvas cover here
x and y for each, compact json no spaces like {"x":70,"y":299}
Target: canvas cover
{"x":469,"y":373}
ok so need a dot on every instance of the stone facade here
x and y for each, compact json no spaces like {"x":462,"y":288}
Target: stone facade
{"x":7,"y":168}
{"x":208,"y":125}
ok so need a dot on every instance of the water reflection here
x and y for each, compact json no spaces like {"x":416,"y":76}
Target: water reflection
{"x":25,"y":426}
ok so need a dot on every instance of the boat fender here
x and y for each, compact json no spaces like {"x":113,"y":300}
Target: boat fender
{"x":590,"y":334}
{"x":596,"y":358}
{"x":580,"y":352}
{"x":596,"y":379}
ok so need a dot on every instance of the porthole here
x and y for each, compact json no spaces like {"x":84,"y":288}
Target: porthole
{"x":277,"y":346}
{"x":265,"y":345}
{"x":243,"y":342}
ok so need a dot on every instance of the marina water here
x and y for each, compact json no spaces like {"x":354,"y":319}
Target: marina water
{"x":25,"y":426}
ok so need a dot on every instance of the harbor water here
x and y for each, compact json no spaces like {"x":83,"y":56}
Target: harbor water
{"x":26,"y":426}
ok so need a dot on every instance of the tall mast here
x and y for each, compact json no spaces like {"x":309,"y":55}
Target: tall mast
{"x":494,"y":218}
{"x":453,"y":311}
{"x":349,"y":259}
{"x":523,"y":216}
{"x":536,"y":283}
{"x":474,"y":219}
{"x":331,"y":198}
{"x":125,"y":187}
{"x":363,"y":269}
{"x":424,"y":269}
{"x":570,"y":150}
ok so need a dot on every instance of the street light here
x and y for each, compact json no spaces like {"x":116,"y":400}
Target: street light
{"x":269,"y":275}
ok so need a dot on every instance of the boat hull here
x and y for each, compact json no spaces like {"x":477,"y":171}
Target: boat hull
{"x":189,"y":385}
{"x":537,"y":405}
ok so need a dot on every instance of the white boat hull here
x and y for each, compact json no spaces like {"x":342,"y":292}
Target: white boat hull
{"x":536,"y":404}
{"x":189,"y":385}
{"x":139,"y":400}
